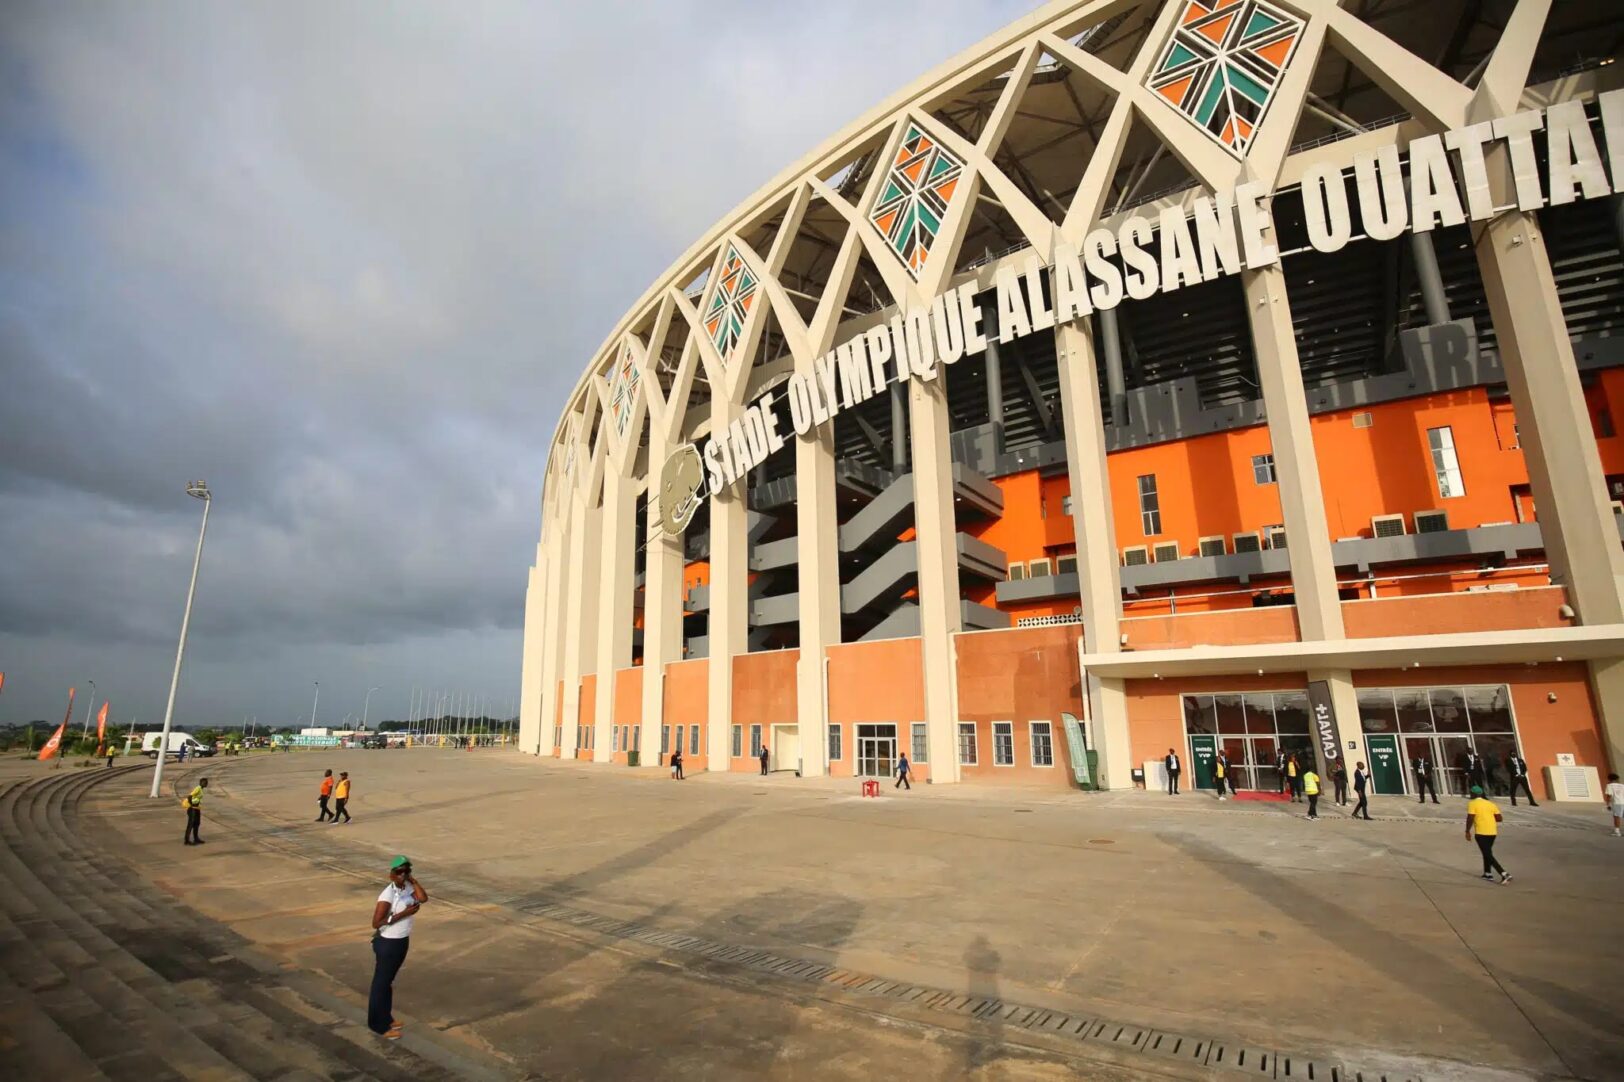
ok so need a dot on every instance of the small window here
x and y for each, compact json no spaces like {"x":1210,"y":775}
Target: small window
{"x":967,"y":743}
{"x":1017,"y":571}
{"x":755,"y":741}
{"x":920,"y":743}
{"x":1066,"y":565}
{"x":738,"y":741}
{"x":1003,"y":743}
{"x":665,"y":739}
{"x":1263,"y":469}
{"x":637,"y":738}
{"x":1065,"y":504}
{"x":834,"y":743}
{"x":681,"y":729}
{"x":1150,"y":508}
{"x":693,"y":740}
{"x":1445,"y":465}
{"x":1604,"y":423}
{"x":1042,"y":744}
{"x":558,"y":735}
{"x":614,"y":739}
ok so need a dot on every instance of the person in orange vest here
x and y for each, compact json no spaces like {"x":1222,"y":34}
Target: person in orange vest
{"x":326,"y":794}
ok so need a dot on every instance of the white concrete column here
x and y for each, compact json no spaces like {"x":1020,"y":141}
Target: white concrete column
{"x":940,"y":616}
{"x":616,"y":600}
{"x":1098,"y":575}
{"x":581,"y":619}
{"x":818,"y":554}
{"x":1345,"y":705}
{"x":558,"y":547}
{"x":1296,"y":466}
{"x":1607,"y":684}
{"x":729,"y":631}
{"x":662,"y":616}
{"x":534,"y":647}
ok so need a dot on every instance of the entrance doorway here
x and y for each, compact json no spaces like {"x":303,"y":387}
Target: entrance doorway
{"x":1441,"y":724}
{"x":1251,"y":728}
{"x":786,"y":748}
{"x":876,"y":750}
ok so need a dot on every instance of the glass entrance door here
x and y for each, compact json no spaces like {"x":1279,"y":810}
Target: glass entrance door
{"x":1448,"y":755}
{"x":876,"y":750}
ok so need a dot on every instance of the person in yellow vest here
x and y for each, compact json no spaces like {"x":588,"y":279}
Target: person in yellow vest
{"x":110,"y":753}
{"x":1294,"y":779}
{"x":1311,"y":786}
{"x":1483,"y":816}
{"x":194,"y":812}
{"x":341,"y":797}
{"x":1220,"y":772}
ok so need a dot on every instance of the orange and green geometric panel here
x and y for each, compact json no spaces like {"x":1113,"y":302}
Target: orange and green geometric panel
{"x":730,"y":302}
{"x":623,"y":384}
{"x":1222,"y":64}
{"x":914,"y":197}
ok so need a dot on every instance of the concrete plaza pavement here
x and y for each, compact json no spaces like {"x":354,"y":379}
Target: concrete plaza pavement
{"x":1369,"y":944}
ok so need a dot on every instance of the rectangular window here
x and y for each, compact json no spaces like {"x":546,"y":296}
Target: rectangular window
{"x":637,"y":738}
{"x":614,"y":739}
{"x":681,"y":729}
{"x":919,"y":744}
{"x":738,"y":741}
{"x":1065,"y":504}
{"x":1003,"y":743}
{"x":967,"y":743}
{"x":665,"y":739}
{"x":693,"y":740}
{"x":1150,"y":508}
{"x":755,"y":741}
{"x":834,"y":743}
{"x":1445,"y":466}
{"x":1263,"y":469}
{"x":1042,"y":743}
{"x":558,"y":735}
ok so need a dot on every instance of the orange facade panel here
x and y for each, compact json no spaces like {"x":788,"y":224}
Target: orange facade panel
{"x":880,"y":681}
{"x":687,"y":700}
{"x":1020,"y":676}
{"x":764,"y":695}
{"x":1439,"y":614}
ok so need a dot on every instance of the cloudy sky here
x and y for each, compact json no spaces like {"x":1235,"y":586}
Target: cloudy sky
{"x":344,"y":261}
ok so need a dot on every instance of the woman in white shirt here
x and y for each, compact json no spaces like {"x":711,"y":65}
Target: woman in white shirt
{"x":391,"y":937}
{"x":1615,"y":801}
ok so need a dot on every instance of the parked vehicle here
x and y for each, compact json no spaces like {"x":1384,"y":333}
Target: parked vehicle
{"x":177,"y":740}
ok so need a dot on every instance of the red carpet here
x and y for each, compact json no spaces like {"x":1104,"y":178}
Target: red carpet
{"x":1278,"y":798}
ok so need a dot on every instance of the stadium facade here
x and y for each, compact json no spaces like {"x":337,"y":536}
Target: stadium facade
{"x":1236,"y":375}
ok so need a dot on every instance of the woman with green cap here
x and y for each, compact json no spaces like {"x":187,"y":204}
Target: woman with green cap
{"x":391,"y":937}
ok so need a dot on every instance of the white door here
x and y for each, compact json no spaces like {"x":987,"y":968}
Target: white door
{"x":786,"y":748}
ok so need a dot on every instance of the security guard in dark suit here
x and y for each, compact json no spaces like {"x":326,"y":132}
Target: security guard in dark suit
{"x":1476,"y":771}
{"x":1517,"y":767}
{"x":1424,"y":784}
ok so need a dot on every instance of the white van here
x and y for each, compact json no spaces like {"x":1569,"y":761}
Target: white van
{"x":177,"y":740}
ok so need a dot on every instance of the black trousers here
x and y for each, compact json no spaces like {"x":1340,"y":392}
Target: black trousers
{"x":677,"y":766}
{"x":194,"y":820}
{"x":1341,"y":791}
{"x":1173,"y":781}
{"x":390,"y":955}
{"x":1285,"y":782}
{"x":1485,"y":844}
{"x":340,"y":809}
{"x":1362,"y":808}
{"x":1219,"y":782}
{"x":1423,"y":786}
{"x":1313,"y":805}
{"x":326,"y":812}
{"x":1522,"y":781}
{"x":902,"y":780}
{"x":764,"y":768}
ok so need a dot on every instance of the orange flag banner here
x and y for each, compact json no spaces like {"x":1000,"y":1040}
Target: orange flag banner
{"x":2,"y":681}
{"x":101,"y":727}
{"x":53,"y":745}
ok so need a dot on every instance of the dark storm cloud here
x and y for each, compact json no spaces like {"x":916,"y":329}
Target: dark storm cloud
{"x":344,"y":261}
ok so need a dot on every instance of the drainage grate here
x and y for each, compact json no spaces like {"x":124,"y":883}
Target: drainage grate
{"x":1257,"y":1062}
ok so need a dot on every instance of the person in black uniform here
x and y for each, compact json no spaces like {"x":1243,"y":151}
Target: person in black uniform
{"x":1280,"y":769}
{"x":1423,"y":779}
{"x":676,"y":764}
{"x":764,"y":760}
{"x":1517,"y":768}
{"x":1339,"y":781}
{"x":1171,"y":762}
{"x":1361,"y":781}
{"x":1475,"y":774}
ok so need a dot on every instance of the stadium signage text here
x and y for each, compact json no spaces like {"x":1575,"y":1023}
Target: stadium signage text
{"x":1447,"y":184}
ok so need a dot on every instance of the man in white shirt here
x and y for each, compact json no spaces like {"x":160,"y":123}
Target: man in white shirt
{"x":392,"y":919}
{"x":1615,"y":801}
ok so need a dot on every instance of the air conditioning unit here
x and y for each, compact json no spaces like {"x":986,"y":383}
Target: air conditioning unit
{"x":1618,"y":507}
{"x":1039,"y":569}
{"x":1431,"y":521}
{"x":1166,"y":551}
{"x":1246,"y":542}
{"x":1066,"y":565}
{"x":1017,"y":572}
{"x":1277,"y":536}
{"x":1137,"y":556}
{"x":1387,"y":526}
{"x":1212,"y":546}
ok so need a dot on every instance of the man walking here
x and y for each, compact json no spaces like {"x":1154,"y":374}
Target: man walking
{"x":110,"y":753}
{"x":764,"y":760}
{"x":1173,"y":771}
{"x":1220,"y":772}
{"x":1517,"y":767}
{"x":1311,"y":786}
{"x":1294,"y":778}
{"x":194,"y":812}
{"x":325,"y":795}
{"x":904,"y":770}
{"x":341,"y":796}
{"x":1423,"y":779}
{"x":1483,"y":815}
{"x":1360,"y":781}
{"x":392,"y":918}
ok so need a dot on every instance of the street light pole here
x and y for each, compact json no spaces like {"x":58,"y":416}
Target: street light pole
{"x":200,"y":491}
{"x":313,"y":703}
{"x":366,"y":708}
{"x":89,"y":705}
